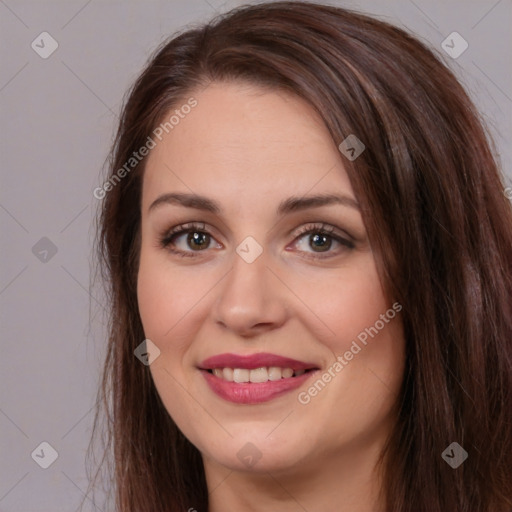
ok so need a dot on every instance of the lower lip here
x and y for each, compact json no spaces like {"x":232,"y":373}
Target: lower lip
{"x":253,"y":392}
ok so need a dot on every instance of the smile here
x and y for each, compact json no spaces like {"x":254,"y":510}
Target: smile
{"x":242,"y":375}
{"x":255,"y":378}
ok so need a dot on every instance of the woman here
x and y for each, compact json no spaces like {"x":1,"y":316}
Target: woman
{"x":309,"y":253}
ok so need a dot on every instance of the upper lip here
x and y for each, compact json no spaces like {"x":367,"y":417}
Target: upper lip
{"x":252,"y":361}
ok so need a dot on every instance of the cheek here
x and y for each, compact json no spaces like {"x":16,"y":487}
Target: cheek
{"x":357,"y":323}
{"x":166,"y":300}
{"x":156,"y":299}
{"x":344,"y":302}
{"x":164,"y":296}
{"x":173,"y":303}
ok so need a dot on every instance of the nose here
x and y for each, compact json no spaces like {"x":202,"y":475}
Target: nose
{"x":251,"y":300}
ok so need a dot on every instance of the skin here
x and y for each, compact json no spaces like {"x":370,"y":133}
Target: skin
{"x":248,"y":149}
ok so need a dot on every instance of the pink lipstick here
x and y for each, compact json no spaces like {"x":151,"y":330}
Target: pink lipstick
{"x":255,"y":378}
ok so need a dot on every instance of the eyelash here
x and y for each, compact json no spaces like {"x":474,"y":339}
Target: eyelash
{"x":308,"y":229}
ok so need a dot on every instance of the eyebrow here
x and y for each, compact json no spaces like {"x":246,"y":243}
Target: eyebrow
{"x":292,"y":204}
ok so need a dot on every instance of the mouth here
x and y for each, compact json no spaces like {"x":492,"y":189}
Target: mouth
{"x":254,"y":378}
{"x":256,"y":375}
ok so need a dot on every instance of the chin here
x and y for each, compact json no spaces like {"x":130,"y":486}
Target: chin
{"x":256,"y":452}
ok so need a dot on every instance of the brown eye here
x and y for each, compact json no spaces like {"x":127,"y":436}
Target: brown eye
{"x":188,"y":239}
{"x":321,"y":242}
{"x":198,"y":240}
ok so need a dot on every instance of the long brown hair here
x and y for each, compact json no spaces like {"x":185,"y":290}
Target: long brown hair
{"x":436,"y":215}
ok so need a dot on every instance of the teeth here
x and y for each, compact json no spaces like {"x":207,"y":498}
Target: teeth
{"x":227,"y":374}
{"x":287,"y":373}
{"x":258,"y":375}
{"x":242,"y":375}
{"x":274,"y":373}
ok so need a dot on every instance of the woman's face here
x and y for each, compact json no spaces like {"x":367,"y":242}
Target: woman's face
{"x":270,"y":274}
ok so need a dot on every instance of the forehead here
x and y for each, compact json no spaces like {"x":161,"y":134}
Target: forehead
{"x":241,"y":138}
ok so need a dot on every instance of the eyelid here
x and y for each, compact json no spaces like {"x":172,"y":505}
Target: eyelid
{"x":339,"y":236}
{"x":188,"y":226}
{"x":323,"y":227}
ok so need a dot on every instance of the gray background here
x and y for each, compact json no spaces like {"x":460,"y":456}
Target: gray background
{"x":57,"y":119}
